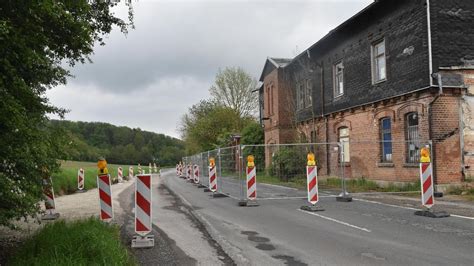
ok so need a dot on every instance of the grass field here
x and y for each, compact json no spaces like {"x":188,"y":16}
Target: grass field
{"x":82,"y":242}
{"x":65,"y":182}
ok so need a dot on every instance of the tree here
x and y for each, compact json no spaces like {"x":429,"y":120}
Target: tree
{"x":234,"y":89}
{"x":37,"y":38}
{"x":208,"y":125}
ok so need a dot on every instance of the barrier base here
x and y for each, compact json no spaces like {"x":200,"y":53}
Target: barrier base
{"x":201,"y":186}
{"x":143,"y":241}
{"x":50,"y":216}
{"x":432,"y":214}
{"x":344,"y":197}
{"x":311,"y":208}
{"x":81,"y":190}
{"x":248,"y":203}
{"x":219,"y":195}
{"x":207,"y":189}
{"x":438,"y":194}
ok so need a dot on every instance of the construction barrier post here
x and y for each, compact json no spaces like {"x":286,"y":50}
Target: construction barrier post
{"x":427,"y":186}
{"x":150,"y":169}
{"x":251,"y":183}
{"x":177,"y":169}
{"x":155,"y":168}
{"x":105,"y":191}
{"x":139,"y":169}
{"x":130,"y":172}
{"x":80,"y":181}
{"x":312,"y":185}
{"x":48,"y":194}
{"x":212,"y":176}
{"x":190,"y":173}
{"x":143,"y":209}
{"x":120,"y":175}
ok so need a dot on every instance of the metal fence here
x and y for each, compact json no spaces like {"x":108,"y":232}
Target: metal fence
{"x":354,"y":166}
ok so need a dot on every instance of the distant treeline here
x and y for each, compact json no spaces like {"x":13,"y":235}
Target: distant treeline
{"x":86,"y":141}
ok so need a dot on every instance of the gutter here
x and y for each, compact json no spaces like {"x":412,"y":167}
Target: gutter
{"x":430,"y":49}
{"x":430,"y":132}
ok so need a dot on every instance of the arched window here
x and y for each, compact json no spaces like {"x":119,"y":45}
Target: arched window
{"x":344,"y":138}
{"x":412,"y":137}
{"x":386,"y":139}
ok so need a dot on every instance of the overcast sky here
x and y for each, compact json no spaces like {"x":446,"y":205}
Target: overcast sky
{"x":150,"y":77}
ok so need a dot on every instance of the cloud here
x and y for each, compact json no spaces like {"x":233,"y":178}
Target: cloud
{"x":170,"y":60}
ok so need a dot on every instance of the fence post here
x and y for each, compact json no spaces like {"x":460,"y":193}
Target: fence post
{"x":344,"y":196}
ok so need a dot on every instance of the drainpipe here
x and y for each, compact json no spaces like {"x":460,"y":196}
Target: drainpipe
{"x":430,"y":132}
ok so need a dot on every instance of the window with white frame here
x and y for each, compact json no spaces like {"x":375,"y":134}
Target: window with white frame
{"x":338,"y":79}
{"x":308,"y":93}
{"x":379,"y":64}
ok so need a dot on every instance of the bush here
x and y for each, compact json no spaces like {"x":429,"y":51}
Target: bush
{"x":288,"y":163}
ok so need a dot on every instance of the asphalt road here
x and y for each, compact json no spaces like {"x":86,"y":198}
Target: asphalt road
{"x":357,"y":233}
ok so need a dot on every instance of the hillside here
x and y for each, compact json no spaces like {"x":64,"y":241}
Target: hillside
{"x":86,"y":141}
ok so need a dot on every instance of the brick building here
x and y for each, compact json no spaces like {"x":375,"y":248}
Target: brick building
{"x":386,"y":81}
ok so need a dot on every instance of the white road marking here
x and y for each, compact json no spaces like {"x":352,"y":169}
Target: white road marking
{"x":337,"y":221}
{"x":409,"y":208}
{"x":289,"y":198}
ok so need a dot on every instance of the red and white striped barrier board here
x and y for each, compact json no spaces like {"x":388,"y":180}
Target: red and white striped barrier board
{"x":143,"y":204}
{"x":190,"y":172}
{"x":212,"y":179}
{"x":120,"y":174}
{"x":251,"y":183}
{"x":426,"y":176}
{"x":312,"y":179}
{"x":139,"y":169}
{"x":196,"y":173}
{"x":105,"y":197}
{"x":155,"y":168}
{"x":80,"y":179}
{"x":177,"y":170}
{"x":48,"y":194}
{"x":130,"y":172}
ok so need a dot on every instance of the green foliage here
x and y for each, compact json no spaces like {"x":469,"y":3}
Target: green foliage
{"x":208,"y":125}
{"x":364,"y":185}
{"x":252,"y":134}
{"x":288,"y":163}
{"x":86,"y":141}
{"x":37,"y":38}
{"x":82,"y":242}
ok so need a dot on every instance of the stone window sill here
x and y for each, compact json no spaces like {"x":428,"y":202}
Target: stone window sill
{"x":411,"y":165}
{"x":385,"y":164}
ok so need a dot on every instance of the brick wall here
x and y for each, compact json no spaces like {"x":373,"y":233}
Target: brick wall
{"x":365,"y":137}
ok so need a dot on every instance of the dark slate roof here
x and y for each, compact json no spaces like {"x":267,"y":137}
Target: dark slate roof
{"x":272,"y":63}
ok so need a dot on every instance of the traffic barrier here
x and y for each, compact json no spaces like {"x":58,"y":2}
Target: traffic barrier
{"x":196,"y":174}
{"x":427,"y":187}
{"x":143,"y":212}
{"x":212,"y":175}
{"x":251,"y":183}
{"x":155,"y":168}
{"x":177,"y":169}
{"x":312,"y":184}
{"x":140,"y":169}
{"x":120,"y":175}
{"x":49,"y":203}
{"x":80,"y":181}
{"x":130,"y":172}
{"x":150,"y":169}
{"x":189,"y":173}
{"x":105,"y":197}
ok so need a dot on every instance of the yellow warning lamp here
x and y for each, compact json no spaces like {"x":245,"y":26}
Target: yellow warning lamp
{"x":102,"y":165}
{"x":311,"y":160}
{"x":250,"y":161}
{"x":425,"y":155}
{"x":212,"y":162}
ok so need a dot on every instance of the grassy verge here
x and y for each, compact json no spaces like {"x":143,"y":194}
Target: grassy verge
{"x":65,"y":182}
{"x":82,"y":242}
{"x":466,"y":192}
{"x":352,"y":185}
